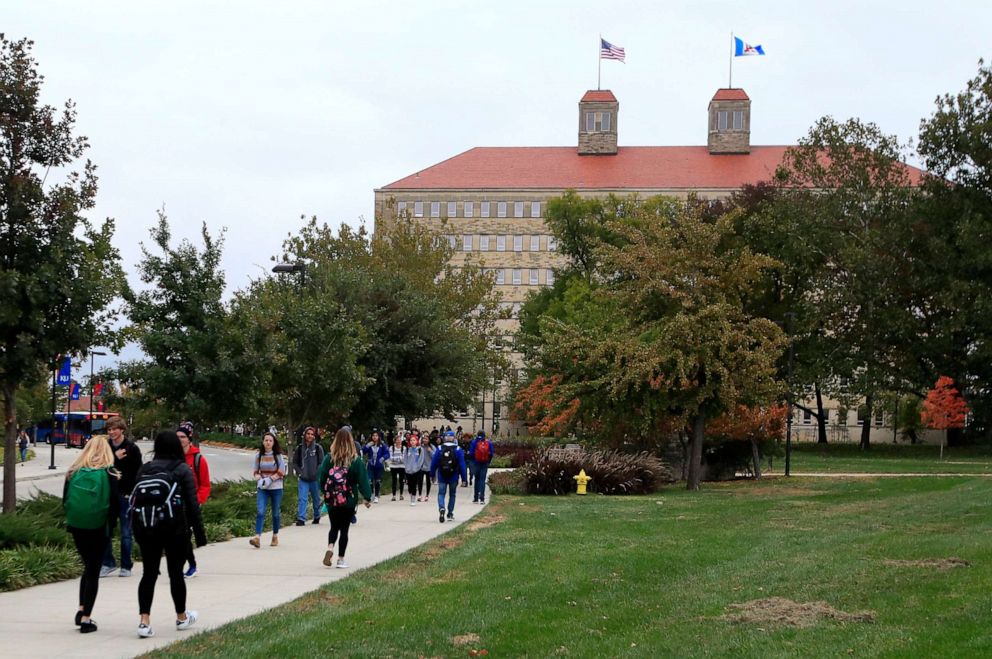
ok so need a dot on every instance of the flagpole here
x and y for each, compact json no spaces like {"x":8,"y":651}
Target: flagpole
{"x":599,"y":65}
{"x":730,"y":82}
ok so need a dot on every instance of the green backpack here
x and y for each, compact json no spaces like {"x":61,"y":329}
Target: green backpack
{"x":87,"y":501}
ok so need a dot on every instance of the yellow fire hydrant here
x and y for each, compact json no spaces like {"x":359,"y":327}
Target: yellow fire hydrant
{"x":581,"y":480}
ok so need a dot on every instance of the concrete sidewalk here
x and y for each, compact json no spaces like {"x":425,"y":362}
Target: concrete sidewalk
{"x":235,"y":580}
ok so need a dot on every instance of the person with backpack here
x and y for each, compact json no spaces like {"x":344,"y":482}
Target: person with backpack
{"x":127,"y":461}
{"x":91,"y":498}
{"x":306,"y":460}
{"x":413,"y":462}
{"x":447,"y":466}
{"x":201,"y":475}
{"x":481,"y":450}
{"x":270,"y":470}
{"x":397,"y":453}
{"x":376,"y":455}
{"x":344,"y":476}
{"x":163,"y":509}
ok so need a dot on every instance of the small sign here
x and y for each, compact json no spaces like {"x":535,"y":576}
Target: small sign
{"x":65,"y":372}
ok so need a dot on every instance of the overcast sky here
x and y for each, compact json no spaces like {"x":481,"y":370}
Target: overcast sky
{"x":247,"y":115}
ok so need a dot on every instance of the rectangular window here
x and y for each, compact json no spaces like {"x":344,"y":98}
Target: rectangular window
{"x":418,"y":209}
{"x":452,"y":242}
{"x":721,"y":120}
{"x":435,"y":209}
{"x":879,"y":419}
{"x":452,"y":209}
{"x":517,"y":273}
{"x":532,"y":277}
{"x":467,"y":209}
{"x":535,"y":243}
{"x":483,"y":243}
{"x":501,"y":209}
{"x":466,"y":243}
{"x":738,"y":120}
{"x":807,"y":416}
{"x":597,"y":122}
{"x":500,"y":243}
{"x":485,"y":209}
{"x":549,"y":277}
{"x":518,"y":243}
{"x":518,"y":209}
{"x":535,"y":209}
{"x":500,"y":276}
{"x":552,"y":244}
{"x":401,"y":208}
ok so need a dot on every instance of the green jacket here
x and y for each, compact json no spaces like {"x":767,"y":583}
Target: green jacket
{"x":358,"y":479}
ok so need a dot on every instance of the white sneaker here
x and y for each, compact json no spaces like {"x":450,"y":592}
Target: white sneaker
{"x":375,"y":500}
{"x":145,"y":631}
{"x":412,"y":502}
{"x":342,"y":564}
{"x":191,"y":617}
{"x":106,"y":571}
{"x":124,"y":572}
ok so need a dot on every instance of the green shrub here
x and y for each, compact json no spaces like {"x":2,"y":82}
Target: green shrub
{"x":507,"y":482}
{"x":552,"y":472}
{"x":31,"y":566}
{"x":501,"y":462}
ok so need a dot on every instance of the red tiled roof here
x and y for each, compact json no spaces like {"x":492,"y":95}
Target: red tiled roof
{"x":593,"y":95}
{"x":730,"y":95}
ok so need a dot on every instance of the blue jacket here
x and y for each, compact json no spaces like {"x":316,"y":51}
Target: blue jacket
{"x":436,"y":464}
{"x":376,"y":456}
{"x":471,"y":450}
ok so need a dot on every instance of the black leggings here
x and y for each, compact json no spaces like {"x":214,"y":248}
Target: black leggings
{"x":426,"y":480}
{"x":413,"y":482}
{"x":190,"y":557}
{"x":399,"y":476}
{"x":91,"y":545}
{"x":340,"y":522}
{"x":151,"y":555}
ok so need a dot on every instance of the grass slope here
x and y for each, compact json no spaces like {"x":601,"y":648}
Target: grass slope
{"x":655,"y":575}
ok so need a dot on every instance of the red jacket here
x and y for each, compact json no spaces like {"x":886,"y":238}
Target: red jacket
{"x":203,"y":477}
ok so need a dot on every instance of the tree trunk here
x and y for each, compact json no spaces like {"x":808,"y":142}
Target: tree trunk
{"x":696,"y":453}
{"x":684,"y":444}
{"x":866,"y":428}
{"x":755,"y":458}
{"x":821,"y":418}
{"x":9,"y":451}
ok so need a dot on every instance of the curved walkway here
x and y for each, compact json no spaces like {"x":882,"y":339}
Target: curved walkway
{"x":234,"y":581}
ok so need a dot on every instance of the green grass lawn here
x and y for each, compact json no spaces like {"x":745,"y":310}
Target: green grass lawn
{"x":657,"y":576}
{"x":887,"y":459}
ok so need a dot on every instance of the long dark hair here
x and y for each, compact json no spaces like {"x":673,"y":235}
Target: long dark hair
{"x":167,"y":446}
{"x":276,"y":449}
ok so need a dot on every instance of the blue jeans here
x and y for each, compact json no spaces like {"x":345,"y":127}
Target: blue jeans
{"x":305,"y":490}
{"x":451,"y":489}
{"x":480,"y":470}
{"x":127,"y":541}
{"x":262,"y":500}
{"x":24,"y":455}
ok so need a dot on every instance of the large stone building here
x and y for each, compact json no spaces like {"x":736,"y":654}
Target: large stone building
{"x":490,"y":201}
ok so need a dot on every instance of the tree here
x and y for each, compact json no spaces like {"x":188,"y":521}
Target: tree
{"x":944,"y":408}
{"x":59,"y":273}
{"x":751,"y":424}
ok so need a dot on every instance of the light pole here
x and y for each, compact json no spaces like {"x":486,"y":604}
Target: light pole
{"x":93,"y":353}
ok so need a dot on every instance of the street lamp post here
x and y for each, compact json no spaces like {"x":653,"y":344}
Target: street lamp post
{"x":51,"y":431}
{"x":93,"y":353}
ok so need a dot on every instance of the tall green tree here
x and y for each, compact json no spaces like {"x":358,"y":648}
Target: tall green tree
{"x":59,"y":272}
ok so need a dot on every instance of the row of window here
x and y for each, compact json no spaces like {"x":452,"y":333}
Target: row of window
{"x":521,"y":276}
{"x":723,"y":120}
{"x":468,"y":208}
{"x":840,"y":417}
{"x":486,"y":243}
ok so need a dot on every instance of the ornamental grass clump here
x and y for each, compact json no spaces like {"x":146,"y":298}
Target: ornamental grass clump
{"x":553,"y":471}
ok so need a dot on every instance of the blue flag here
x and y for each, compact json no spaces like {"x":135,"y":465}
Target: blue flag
{"x":74,"y":391}
{"x":65,"y":372}
{"x":743,"y":49}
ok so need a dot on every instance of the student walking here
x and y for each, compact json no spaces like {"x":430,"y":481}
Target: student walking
{"x":413,"y":462}
{"x":425,"y":471}
{"x":306,"y":460}
{"x":447,"y":466}
{"x":376,"y":455}
{"x":201,"y":476}
{"x":163,"y":509}
{"x":344,"y":476}
{"x":397,"y":471}
{"x":270,"y":469}
{"x":127,"y":461}
{"x":481,"y":452}
{"x":91,"y":498}
{"x":22,"y":445}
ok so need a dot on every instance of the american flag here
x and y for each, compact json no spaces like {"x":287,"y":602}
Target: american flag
{"x":609,"y":51}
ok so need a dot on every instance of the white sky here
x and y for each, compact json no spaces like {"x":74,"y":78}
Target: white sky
{"x":247,"y":115}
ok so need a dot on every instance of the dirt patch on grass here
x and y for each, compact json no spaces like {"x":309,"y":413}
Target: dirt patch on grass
{"x":311,"y":601}
{"x":935,"y":563}
{"x":443,"y":545}
{"x":782,"y":611}
{"x":464,"y":639}
{"x":485,"y":522}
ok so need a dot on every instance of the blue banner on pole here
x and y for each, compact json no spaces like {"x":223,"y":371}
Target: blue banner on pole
{"x":65,"y":372}
{"x":74,"y":389}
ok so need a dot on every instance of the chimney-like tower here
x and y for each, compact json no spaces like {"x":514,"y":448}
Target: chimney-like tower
{"x":598,"y":112}
{"x":729,"y":122}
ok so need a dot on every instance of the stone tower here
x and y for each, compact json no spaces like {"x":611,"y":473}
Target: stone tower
{"x":598,"y":123}
{"x":729,"y":122}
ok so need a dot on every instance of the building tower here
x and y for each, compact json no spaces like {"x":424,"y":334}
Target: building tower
{"x":598,"y":123}
{"x":729,"y":122}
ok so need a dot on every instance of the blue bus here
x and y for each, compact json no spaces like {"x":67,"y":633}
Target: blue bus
{"x":81,"y":427}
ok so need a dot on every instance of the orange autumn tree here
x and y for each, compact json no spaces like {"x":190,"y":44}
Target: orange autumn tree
{"x":541,"y":405}
{"x":944,"y":407}
{"x":750,"y":424}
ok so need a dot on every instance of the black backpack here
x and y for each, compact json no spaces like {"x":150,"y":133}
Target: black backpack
{"x":448,"y":462}
{"x":156,"y":503}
